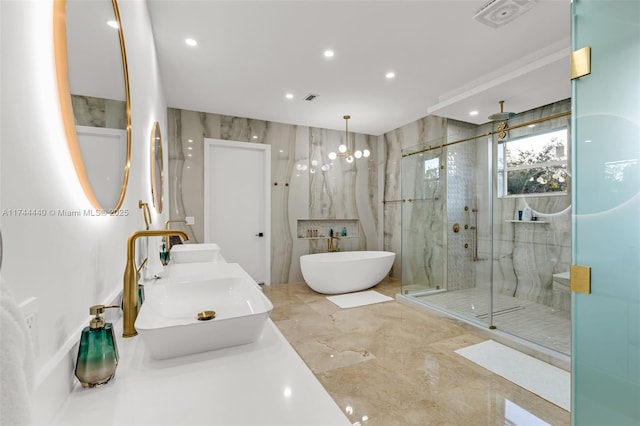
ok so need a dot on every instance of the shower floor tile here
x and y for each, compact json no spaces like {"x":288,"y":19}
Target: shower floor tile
{"x":529,"y":320}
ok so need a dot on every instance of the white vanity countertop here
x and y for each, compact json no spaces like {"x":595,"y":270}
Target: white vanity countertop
{"x":262,"y":383}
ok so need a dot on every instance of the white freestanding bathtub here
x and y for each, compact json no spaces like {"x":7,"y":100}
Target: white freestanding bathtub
{"x":345,"y":271}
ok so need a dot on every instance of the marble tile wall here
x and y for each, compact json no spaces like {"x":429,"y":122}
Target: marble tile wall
{"x":525,"y":256}
{"x":343,"y":191}
{"x":418,"y":133}
{"x":99,"y":112}
{"x":423,"y":230}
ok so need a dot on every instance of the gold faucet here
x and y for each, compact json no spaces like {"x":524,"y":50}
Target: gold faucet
{"x":167,"y":242}
{"x":330,"y":247}
{"x":130,"y":293}
{"x":146,"y":213}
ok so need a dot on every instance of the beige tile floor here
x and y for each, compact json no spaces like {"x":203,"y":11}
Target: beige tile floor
{"x":390,"y":364}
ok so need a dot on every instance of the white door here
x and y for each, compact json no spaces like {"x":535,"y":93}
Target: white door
{"x":237,"y":207}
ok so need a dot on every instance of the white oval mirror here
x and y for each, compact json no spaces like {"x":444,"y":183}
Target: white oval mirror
{"x":93,"y":88}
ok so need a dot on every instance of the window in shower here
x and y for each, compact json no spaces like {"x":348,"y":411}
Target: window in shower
{"x":431,"y":177}
{"x":534,"y":164}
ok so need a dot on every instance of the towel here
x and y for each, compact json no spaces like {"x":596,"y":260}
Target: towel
{"x":16,"y":362}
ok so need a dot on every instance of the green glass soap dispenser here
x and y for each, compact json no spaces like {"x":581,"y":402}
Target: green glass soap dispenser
{"x":98,"y":352}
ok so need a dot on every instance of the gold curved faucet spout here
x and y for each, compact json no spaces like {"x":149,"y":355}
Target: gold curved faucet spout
{"x":167,"y":242}
{"x":130,"y":292}
{"x":330,"y":247}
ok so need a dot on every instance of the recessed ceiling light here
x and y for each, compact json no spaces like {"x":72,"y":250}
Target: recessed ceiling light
{"x":329,"y":53}
{"x":531,"y":126}
{"x":190,"y":141}
{"x":289,"y":96}
{"x":254,"y":137}
{"x":113,"y":24}
{"x":191,"y":42}
{"x":390,"y":75}
{"x":474,"y":112}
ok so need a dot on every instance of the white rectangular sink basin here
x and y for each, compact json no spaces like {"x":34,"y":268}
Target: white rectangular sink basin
{"x":183,"y":272}
{"x":168,"y":323}
{"x":190,"y":253}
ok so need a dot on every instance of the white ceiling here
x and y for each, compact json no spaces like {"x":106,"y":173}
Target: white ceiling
{"x":251,"y":53}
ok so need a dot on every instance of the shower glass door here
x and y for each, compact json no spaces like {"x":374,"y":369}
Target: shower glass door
{"x":486,"y":225}
{"x":445,"y":237}
{"x":532,"y":228}
{"x":423,"y":234}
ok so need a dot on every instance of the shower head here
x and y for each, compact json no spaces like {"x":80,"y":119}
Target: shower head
{"x":501,"y":116}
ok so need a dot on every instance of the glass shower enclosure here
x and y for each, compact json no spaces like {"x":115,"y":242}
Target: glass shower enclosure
{"x":486,"y":226}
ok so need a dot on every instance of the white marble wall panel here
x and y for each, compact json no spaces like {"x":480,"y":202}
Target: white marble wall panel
{"x":282,"y":139}
{"x":402,"y":219}
{"x":392,"y":196}
{"x":300,"y":188}
{"x":298,"y":205}
{"x":173,"y":144}
{"x":367,"y":201}
{"x":99,"y":112}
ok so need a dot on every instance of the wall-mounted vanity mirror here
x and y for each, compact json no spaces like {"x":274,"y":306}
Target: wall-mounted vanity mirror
{"x":157,"y":168}
{"x":93,"y":88}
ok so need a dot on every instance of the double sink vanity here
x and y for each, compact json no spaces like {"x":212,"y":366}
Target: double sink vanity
{"x":189,"y":366}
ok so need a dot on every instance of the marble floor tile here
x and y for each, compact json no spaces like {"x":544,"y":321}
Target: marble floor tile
{"x":390,"y":364}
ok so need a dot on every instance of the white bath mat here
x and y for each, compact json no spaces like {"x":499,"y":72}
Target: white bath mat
{"x":545,"y":380}
{"x":361,"y":298}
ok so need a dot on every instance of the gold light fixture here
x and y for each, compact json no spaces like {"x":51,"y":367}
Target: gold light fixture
{"x":344,"y":150}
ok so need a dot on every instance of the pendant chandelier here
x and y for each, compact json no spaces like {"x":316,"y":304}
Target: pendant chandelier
{"x":344,"y":150}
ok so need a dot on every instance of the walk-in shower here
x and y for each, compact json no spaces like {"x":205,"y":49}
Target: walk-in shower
{"x":486,"y":225}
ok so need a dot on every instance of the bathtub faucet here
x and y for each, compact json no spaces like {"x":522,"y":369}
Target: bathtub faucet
{"x":330,"y":247}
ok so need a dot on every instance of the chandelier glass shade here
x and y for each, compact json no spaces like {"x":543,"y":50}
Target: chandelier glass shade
{"x":344,"y":150}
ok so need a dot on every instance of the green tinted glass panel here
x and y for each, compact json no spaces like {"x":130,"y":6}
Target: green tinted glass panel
{"x":606,"y":323}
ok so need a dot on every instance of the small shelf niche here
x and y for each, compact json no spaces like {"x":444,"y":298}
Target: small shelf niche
{"x":315,"y":229}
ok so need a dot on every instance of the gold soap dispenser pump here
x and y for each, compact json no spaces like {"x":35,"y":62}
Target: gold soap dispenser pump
{"x":98,"y":352}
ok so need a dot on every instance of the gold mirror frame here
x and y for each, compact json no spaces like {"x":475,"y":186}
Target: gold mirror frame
{"x":64,"y":95}
{"x":157,"y":168}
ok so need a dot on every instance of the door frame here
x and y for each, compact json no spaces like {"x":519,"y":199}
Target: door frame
{"x":209,"y":144}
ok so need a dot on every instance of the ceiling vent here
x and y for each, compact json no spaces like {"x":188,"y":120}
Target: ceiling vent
{"x":497,"y":13}
{"x":310,"y":97}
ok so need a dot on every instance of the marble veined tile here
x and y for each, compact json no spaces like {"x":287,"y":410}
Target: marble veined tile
{"x":389,"y":364}
{"x":306,"y":184}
